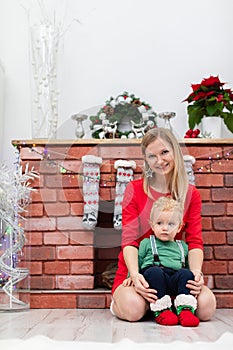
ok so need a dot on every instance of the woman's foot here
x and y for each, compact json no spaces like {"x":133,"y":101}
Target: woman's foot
{"x":188,"y":319}
{"x":167,"y":318}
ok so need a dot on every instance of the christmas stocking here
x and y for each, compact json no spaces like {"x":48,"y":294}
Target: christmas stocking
{"x":188,"y":163}
{"x":124,"y":176}
{"x":91,"y":179}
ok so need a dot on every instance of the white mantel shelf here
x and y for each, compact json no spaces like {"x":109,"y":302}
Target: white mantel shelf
{"x":188,"y":141}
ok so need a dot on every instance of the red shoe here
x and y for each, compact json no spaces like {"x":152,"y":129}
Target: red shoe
{"x":188,"y":319}
{"x":167,"y":318}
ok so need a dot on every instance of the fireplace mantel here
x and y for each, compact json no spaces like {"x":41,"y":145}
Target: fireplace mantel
{"x":61,"y":142}
{"x":63,"y":267}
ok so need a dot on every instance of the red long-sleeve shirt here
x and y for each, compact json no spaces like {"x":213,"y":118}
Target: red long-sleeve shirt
{"x":136,"y":209}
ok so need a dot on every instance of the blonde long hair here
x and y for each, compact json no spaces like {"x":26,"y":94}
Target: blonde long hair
{"x":178,"y":185}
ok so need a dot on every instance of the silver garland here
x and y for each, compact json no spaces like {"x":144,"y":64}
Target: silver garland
{"x":15,"y":274}
{"x":15,"y":195}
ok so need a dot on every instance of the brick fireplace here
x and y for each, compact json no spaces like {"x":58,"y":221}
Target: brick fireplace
{"x":67,"y":261}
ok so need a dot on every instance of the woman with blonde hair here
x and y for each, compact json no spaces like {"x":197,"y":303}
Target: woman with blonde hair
{"x":164,"y":175}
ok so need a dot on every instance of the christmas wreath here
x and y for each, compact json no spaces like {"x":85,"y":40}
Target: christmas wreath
{"x":138,"y":116}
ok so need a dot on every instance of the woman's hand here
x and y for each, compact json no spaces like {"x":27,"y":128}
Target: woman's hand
{"x":127,"y":282}
{"x":196,"y":284}
{"x":139,"y":283}
{"x":142,"y":287}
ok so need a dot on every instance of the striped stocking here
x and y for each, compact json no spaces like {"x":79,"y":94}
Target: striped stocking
{"x":91,"y":179}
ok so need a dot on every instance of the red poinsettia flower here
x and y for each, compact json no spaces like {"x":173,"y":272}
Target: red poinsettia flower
{"x":195,"y":86}
{"x":211,"y":81}
{"x":200,"y":95}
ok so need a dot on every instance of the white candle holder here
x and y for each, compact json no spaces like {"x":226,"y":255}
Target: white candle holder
{"x":166,"y":116}
{"x":79,"y":130}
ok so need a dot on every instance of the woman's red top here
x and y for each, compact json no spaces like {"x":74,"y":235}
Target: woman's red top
{"x":136,"y":209}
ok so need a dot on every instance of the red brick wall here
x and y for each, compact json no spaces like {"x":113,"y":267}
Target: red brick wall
{"x":65,"y":257}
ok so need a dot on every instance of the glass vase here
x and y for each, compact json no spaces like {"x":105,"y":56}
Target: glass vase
{"x":45,"y":48}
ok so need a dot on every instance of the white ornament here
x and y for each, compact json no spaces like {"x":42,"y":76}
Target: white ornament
{"x":145,"y":116}
{"x":121,"y":99}
{"x":131,"y":135}
{"x":102,"y":116}
{"x":142,"y":109}
{"x":113,"y":103}
{"x":128,"y":100}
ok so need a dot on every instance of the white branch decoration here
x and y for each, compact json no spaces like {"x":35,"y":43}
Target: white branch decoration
{"x":15,"y":195}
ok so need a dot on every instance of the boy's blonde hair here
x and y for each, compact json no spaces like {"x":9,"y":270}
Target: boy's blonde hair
{"x":166,"y":204}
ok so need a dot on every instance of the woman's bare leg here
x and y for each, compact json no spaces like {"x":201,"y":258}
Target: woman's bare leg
{"x":206,"y":304}
{"x":128,"y":304}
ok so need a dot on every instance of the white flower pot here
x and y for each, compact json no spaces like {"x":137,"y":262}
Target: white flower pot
{"x":211,"y":127}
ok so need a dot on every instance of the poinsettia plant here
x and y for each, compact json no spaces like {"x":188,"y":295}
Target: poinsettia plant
{"x":209,"y":98}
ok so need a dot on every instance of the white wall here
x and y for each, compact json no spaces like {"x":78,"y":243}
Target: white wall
{"x":2,"y":100}
{"x":152,"y":48}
